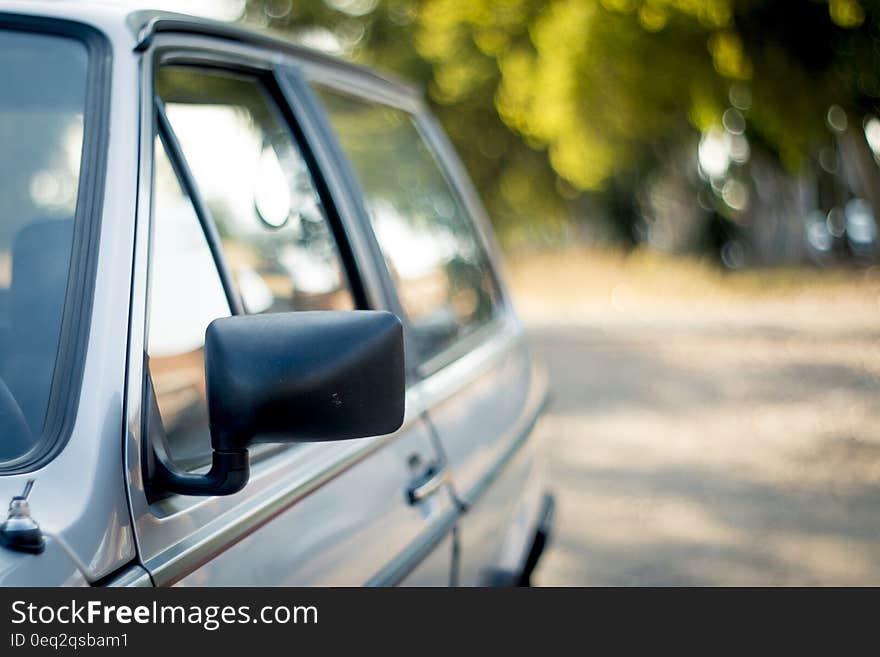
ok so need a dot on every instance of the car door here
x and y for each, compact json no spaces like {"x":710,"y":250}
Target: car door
{"x":470,"y":356}
{"x":247,"y":216}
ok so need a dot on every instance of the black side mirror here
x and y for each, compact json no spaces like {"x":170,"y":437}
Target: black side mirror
{"x":294,"y":377}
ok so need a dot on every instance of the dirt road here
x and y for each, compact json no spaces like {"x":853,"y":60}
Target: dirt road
{"x":700,"y":449}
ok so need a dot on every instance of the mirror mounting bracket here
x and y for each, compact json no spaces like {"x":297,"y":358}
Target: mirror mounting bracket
{"x":229,"y":470}
{"x":228,"y":474}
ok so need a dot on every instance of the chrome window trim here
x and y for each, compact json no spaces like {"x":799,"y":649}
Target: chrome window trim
{"x":494,"y":342}
{"x":408,"y":560}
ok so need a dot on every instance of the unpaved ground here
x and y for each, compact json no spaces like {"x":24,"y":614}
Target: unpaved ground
{"x":711,"y":438}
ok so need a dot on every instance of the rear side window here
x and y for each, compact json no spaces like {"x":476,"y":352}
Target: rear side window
{"x":436,"y":259}
{"x":43,"y":80}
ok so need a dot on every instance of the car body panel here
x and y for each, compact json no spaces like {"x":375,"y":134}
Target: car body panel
{"x":80,"y":496}
{"x":333,"y":513}
{"x":302,"y":502}
{"x":56,"y":568}
{"x":336,"y":534}
{"x":483,"y":396}
{"x":484,"y":407}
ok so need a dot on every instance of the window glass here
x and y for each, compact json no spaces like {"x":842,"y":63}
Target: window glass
{"x":42,"y":103}
{"x":186,"y":294}
{"x":442,"y":274}
{"x":258,"y":187}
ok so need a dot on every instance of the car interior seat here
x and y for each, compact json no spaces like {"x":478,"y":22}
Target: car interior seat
{"x":40,"y":264}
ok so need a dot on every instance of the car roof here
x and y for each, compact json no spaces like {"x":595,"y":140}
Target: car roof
{"x":145,"y":24}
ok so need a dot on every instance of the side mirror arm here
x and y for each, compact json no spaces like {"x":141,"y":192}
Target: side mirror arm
{"x":228,"y":474}
{"x":229,"y":470}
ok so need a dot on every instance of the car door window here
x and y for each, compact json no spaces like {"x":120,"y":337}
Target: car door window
{"x":440,"y":268}
{"x":275,"y":235}
{"x":42,"y":110}
{"x":186,"y":294}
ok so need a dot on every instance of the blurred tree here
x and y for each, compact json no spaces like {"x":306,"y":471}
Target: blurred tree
{"x":516,"y":180}
{"x":616,"y":94}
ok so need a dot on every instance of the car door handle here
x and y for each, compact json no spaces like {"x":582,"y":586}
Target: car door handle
{"x":434,"y":477}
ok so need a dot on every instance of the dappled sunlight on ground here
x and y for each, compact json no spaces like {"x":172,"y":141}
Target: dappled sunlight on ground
{"x":689,"y":450}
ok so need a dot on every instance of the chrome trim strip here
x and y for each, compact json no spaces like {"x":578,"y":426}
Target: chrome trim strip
{"x":212,"y":539}
{"x":134,"y":577}
{"x":147,"y":24}
{"x":220,"y":534}
{"x":400,"y":567}
{"x":235,"y":521}
{"x":446,"y":382}
{"x":415,"y":552}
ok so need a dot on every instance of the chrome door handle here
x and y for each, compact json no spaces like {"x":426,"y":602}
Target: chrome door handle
{"x":434,"y":477}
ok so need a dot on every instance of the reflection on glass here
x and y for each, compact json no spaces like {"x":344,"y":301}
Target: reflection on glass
{"x":259,"y":189}
{"x":43,"y":82}
{"x":186,"y":294}
{"x":271,"y":197}
{"x":441,"y":271}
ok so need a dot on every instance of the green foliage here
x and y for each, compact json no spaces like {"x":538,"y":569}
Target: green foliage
{"x":601,"y":93}
{"x":515,"y":179}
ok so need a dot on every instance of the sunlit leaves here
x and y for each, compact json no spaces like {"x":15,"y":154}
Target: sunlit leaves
{"x":728,"y":56}
{"x":608,"y":92}
{"x":584,"y":88}
{"x":605,"y":83}
{"x":846,"y":13}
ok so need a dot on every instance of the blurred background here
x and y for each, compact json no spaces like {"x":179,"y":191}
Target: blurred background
{"x":687,"y":192}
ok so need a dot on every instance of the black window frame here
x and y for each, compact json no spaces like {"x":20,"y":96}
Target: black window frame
{"x":266,"y":78}
{"x":67,"y":379}
{"x":270,"y":85}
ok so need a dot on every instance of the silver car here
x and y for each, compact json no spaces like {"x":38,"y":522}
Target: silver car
{"x":252,"y":327}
